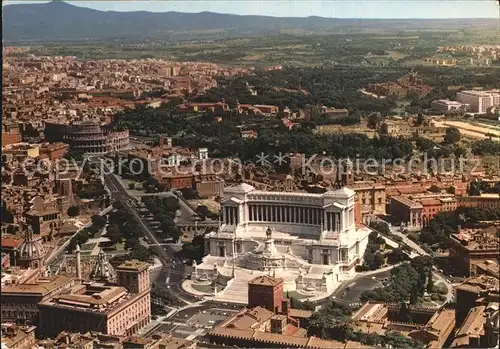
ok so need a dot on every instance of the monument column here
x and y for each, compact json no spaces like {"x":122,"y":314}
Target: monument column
{"x":78,"y":263}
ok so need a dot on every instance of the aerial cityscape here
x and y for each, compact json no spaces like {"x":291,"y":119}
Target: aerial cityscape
{"x":181,"y":175}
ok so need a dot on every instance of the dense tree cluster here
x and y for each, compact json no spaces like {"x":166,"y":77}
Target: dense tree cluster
{"x":407,"y":283}
{"x":381,"y":227}
{"x":73,"y":211}
{"x":373,"y":258}
{"x":82,"y":236}
{"x":190,"y":194}
{"x":452,"y":135}
{"x":441,"y":78}
{"x":343,"y":121}
{"x":333,"y":322}
{"x":397,"y":255}
{"x":305,"y":305}
{"x":203,"y":212}
{"x":74,"y":155}
{"x":163,"y":210}
{"x":123,"y":227}
{"x":443,"y":224}
{"x":479,"y":187}
{"x":223,"y":139}
{"x":486,"y":147}
{"x":91,"y":190}
{"x":152,"y":185}
{"x":194,"y":250}
{"x":297,"y":87}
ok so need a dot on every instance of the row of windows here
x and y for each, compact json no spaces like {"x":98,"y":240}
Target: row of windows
{"x":19,"y":314}
{"x":134,"y":313}
{"x":369,"y":201}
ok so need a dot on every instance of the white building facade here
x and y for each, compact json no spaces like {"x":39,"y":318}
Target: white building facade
{"x":480,"y":101}
{"x":311,"y":240}
{"x":445,"y":105}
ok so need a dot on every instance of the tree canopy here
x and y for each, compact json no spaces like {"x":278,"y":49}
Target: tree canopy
{"x":223,"y":138}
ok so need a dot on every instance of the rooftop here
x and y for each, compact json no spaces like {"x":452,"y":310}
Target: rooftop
{"x":441,"y":320}
{"x":371,"y":312}
{"x":266,"y":281}
{"x":133,"y":265}
{"x":480,"y":283}
{"x":448,"y":102}
{"x":13,"y":334}
{"x":42,"y":286}
{"x":485,"y":239}
{"x":472,"y":326}
{"x":300,"y":313}
{"x":174,"y":343}
{"x":489,"y":267}
{"x":11,"y":241}
{"x":406,"y":202}
{"x":94,"y":297}
{"x":430,"y":202}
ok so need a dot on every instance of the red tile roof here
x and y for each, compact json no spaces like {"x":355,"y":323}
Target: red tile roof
{"x":11,"y":241}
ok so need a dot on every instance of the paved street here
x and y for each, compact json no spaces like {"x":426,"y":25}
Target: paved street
{"x":185,"y":212}
{"x":194,"y":321}
{"x":414,"y":246}
{"x":349,"y":292}
{"x":172,"y":273}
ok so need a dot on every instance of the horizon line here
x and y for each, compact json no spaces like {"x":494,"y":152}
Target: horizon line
{"x":86,"y":6}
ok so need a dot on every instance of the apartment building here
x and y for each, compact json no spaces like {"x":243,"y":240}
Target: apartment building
{"x":479,"y":101}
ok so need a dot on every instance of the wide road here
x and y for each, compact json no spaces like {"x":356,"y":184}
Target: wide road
{"x":440,"y":277}
{"x":349,"y":291}
{"x":172,"y":272}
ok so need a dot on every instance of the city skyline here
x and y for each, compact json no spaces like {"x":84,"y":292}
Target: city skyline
{"x":332,"y":9}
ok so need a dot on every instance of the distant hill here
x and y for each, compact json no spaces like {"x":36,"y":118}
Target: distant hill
{"x":59,"y":21}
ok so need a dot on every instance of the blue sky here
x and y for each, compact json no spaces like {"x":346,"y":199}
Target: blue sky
{"x":304,"y":8}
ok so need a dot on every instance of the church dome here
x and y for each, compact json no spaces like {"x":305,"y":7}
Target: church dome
{"x":31,"y":251}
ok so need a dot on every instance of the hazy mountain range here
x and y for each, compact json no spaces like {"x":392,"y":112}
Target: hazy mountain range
{"x":59,"y":21}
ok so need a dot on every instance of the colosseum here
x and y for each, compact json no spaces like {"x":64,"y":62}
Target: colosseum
{"x":88,"y":137}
